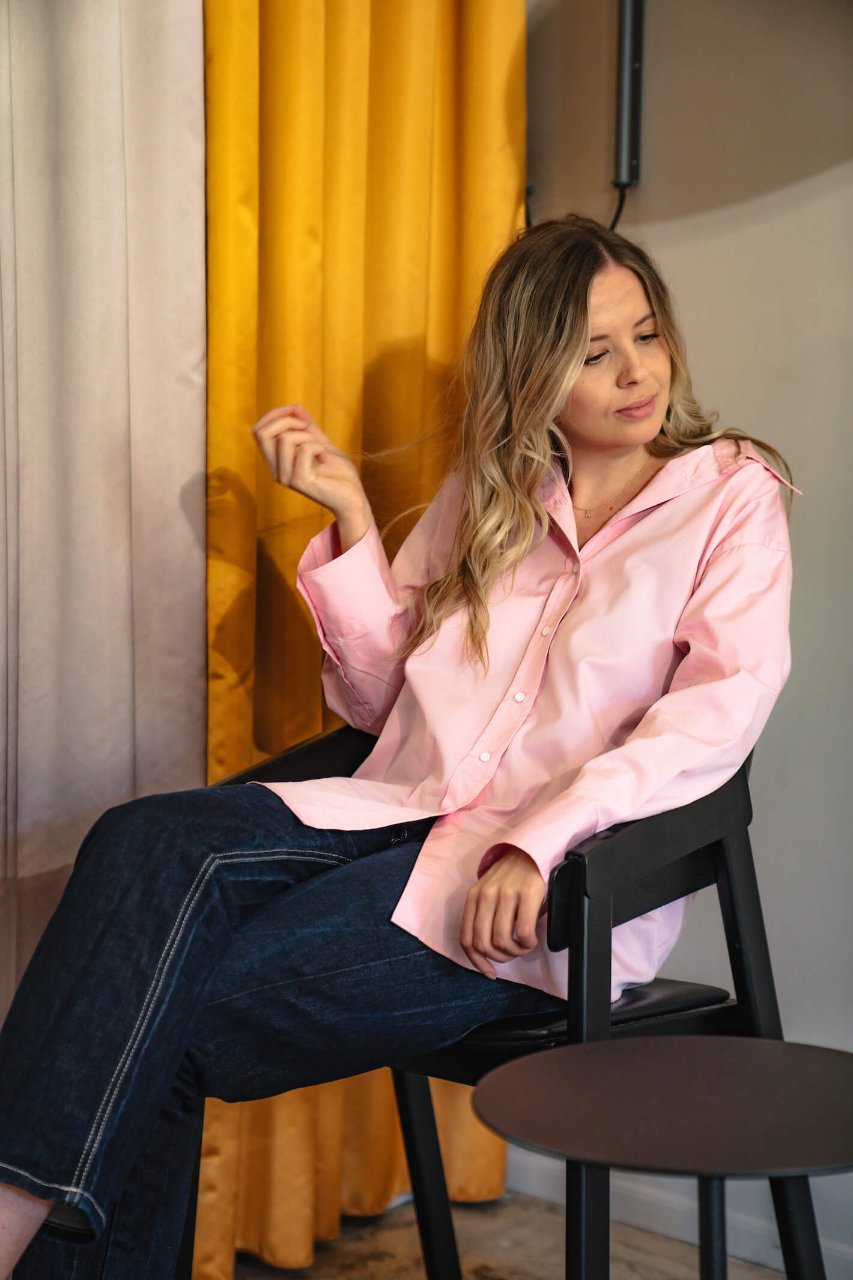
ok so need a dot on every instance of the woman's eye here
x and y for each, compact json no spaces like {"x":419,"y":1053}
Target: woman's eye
{"x":645,"y":338}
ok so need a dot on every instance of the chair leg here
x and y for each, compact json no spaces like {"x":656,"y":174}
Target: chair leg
{"x":746,"y":938}
{"x":587,"y":1222}
{"x":432,"y":1205}
{"x":795,"y":1218}
{"x":712,"y":1229}
{"x":753,"y":977}
{"x":184,"y":1261}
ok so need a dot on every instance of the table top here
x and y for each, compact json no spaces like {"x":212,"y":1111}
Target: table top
{"x":715,"y":1106}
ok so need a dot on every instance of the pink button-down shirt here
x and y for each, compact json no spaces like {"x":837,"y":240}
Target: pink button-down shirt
{"x":624,"y":678}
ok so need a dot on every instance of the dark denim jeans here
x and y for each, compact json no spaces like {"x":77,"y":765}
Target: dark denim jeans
{"x":208,"y":944}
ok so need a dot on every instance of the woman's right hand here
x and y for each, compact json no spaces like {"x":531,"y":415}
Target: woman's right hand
{"x":301,"y":457}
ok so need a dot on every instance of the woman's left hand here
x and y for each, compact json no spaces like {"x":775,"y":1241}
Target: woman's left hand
{"x":501,"y":911}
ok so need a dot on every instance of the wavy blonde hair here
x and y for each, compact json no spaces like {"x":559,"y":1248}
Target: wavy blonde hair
{"x":527,"y":347}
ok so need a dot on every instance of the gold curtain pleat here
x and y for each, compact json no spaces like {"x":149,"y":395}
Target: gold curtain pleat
{"x":365,"y":164}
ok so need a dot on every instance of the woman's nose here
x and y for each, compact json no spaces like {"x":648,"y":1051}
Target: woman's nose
{"x":632,"y":366}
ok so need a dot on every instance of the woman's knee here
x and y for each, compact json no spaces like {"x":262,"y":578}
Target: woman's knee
{"x":137,"y":829}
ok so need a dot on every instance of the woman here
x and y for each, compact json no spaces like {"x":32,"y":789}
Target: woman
{"x":587,"y":625}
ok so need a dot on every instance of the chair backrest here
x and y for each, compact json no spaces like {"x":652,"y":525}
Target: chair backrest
{"x":645,"y":864}
{"x":329,"y":755}
{"x":638,"y":866}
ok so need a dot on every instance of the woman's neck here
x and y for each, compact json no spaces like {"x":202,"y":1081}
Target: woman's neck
{"x":602,"y":486}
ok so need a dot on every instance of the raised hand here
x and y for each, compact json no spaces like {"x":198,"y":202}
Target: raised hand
{"x":501,"y":911}
{"x":301,"y":457}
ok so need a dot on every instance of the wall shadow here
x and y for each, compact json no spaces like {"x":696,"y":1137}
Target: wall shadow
{"x":265,"y":638}
{"x":730,"y":110}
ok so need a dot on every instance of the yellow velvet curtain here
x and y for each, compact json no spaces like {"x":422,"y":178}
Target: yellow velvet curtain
{"x":365,"y":163}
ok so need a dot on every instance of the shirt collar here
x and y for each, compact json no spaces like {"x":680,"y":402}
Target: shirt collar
{"x":681,"y":474}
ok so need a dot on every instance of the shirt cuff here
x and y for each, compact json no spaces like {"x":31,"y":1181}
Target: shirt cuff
{"x":347,"y":591}
{"x":547,"y":836}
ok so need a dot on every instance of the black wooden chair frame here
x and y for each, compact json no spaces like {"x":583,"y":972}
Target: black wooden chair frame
{"x":610,"y":878}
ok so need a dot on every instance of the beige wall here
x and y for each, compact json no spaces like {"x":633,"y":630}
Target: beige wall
{"x":745,"y":201}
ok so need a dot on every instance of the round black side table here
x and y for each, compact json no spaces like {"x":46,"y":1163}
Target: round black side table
{"x":712,"y":1107}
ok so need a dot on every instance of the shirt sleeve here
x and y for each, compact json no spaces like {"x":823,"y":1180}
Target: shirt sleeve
{"x":361,"y":608}
{"x":733,"y":634}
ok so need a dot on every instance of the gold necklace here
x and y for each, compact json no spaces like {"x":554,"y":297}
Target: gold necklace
{"x":588,"y":511}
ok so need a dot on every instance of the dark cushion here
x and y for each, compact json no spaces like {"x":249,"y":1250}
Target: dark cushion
{"x":659,"y":998}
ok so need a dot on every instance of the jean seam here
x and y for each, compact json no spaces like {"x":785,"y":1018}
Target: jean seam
{"x":57,"y":1186}
{"x":211,"y":863}
{"x":418,"y":954}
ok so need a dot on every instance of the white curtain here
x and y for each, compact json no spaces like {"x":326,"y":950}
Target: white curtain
{"x":102,"y":666}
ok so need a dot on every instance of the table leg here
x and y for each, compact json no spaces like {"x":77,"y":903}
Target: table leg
{"x":587,"y":1222}
{"x":712,"y":1229}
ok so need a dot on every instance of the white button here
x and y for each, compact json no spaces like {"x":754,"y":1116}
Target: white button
{"x":576,"y":568}
{"x":546,"y":631}
{"x":519,"y":697}
{"x":485,"y":756}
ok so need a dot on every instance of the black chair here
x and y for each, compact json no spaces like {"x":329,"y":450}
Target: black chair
{"x":608,"y":879}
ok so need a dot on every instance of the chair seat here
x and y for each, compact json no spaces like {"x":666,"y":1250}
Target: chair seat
{"x":497,"y":1042}
{"x":662,"y":997}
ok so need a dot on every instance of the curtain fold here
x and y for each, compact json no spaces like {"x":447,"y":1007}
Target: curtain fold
{"x":102,"y":684}
{"x":365,"y":164}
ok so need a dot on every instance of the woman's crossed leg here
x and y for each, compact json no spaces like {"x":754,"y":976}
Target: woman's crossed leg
{"x":208,"y":957}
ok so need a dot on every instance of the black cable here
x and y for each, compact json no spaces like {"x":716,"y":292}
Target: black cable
{"x":623,"y":189}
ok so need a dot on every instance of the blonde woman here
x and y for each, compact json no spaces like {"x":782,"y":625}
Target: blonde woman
{"x":588,"y":624}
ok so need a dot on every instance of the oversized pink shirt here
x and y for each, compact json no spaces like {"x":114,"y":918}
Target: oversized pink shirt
{"x":624,"y":678}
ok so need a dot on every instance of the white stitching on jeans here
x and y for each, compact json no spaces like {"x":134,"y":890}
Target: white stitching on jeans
{"x":57,"y":1186}
{"x":329,"y":973}
{"x":204,"y":872}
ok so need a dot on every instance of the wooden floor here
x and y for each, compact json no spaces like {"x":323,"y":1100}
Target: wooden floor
{"x":518,"y":1238}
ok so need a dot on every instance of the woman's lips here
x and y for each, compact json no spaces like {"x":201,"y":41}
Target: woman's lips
{"x":641,"y":409}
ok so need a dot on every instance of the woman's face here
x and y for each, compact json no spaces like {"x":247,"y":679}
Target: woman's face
{"x":620,"y":399}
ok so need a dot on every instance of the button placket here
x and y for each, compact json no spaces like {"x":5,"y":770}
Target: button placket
{"x":514,"y":710}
